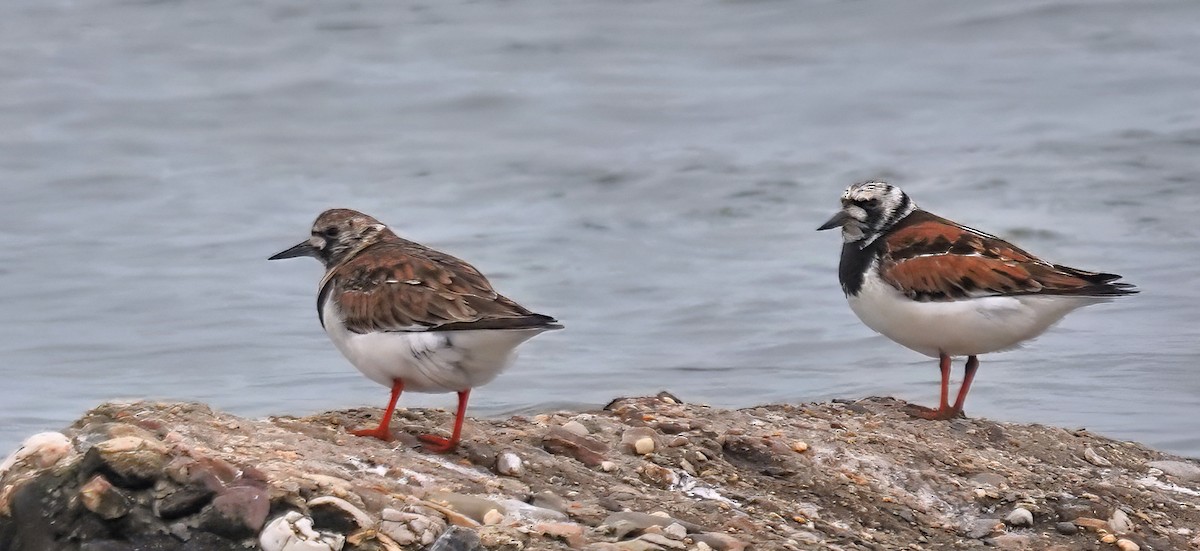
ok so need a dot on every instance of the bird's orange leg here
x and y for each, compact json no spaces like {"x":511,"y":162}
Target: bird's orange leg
{"x":438,"y":444}
{"x":381,"y":432}
{"x":943,"y":411}
{"x":972,"y":366}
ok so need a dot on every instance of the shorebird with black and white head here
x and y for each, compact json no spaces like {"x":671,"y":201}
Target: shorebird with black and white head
{"x":945,"y":290}
{"x":410,"y":317}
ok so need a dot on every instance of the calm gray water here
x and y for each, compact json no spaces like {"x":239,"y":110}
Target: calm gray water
{"x":651,"y":173}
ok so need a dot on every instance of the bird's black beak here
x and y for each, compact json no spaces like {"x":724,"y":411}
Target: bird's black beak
{"x":303,"y":249}
{"x":837,"y":221}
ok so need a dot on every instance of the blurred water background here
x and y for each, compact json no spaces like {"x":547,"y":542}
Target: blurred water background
{"x":651,"y":173}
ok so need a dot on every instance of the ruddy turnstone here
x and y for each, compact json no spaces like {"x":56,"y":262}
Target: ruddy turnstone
{"x":943,"y":289}
{"x":409,"y":317}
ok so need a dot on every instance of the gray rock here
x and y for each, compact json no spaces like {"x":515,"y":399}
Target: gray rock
{"x":1119,"y":522}
{"x":980,"y":528}
{"x":1066,"y":528}
{"x":1183,"y":470}
{"x":457,"y":539}
{"x":1019,"y":517}
{"x":1095,"y":458}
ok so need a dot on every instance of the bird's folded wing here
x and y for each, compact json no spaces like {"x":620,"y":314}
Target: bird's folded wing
{"x":410,"y":288}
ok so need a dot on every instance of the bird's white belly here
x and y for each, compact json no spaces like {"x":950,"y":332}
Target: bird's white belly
{"x":960,"y":327}
{"x":427,"y":361}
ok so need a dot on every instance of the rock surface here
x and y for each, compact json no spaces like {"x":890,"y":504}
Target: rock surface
{"x":843,"y":475}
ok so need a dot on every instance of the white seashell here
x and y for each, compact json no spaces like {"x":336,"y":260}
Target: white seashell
{"x":294,"y":532}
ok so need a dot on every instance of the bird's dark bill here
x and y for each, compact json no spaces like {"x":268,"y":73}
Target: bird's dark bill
{"x":837,"y":221}
{"x":303,"y":249}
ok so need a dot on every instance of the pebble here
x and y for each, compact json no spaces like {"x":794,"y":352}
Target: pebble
{"x":1119,"y":522}
{"x":135,"y":461}
{"x":457,"y":539}
{"x":1095,"y":458}
{"x":1066,"y":528}
{"x":239,"y":512}
{"x":982,"y":528}
{"x":675,"y":531}
{"x":584,"y":449}
{"x":576,"y":428}
{"x":492,"y":517}
{"x":643,"y":446}
{"x":1108,"y":538}
{"x":1019,"y":517}
{"x":799,"y":446}
{"x":639,"y":440}
{"x":1188,"y":472}
{"x":100,"y":497}
{"x":608,"y":466}
{"x":510,"y":464}
{"x":1127,"y":545}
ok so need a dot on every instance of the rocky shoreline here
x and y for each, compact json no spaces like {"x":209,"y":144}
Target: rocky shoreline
{"x":642,"y":474}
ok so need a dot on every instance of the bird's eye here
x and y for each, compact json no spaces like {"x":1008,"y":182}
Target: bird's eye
{"x":330,"y":232}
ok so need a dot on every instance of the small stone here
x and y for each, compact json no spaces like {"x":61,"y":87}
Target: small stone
{"x":1108,"y":538}
{"x":1066,"y":528}
{"x":1019,"y":517}
{"x":982,"y":528}
{"x":1127,"y":545}
{"x":457,"y":539}
{"x":239,"y":512}
{"x":100,"y":497}
{"x":509,"y":464}
{"x":678,"y":441}
{"x":576,"y":428}
{"x":639,"y":440}
{"x":799,"y":446}
{"x":1188,"y":472}
{"x":493,"y":517}
{"x":133,"y":461}
{"x":675,"y":531}
{"x":1095,"y":458}
{"x":1119,"y":522}
{"x":643,"y":446}
{"x":584,"y":449}
{"x":608,"y":466}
